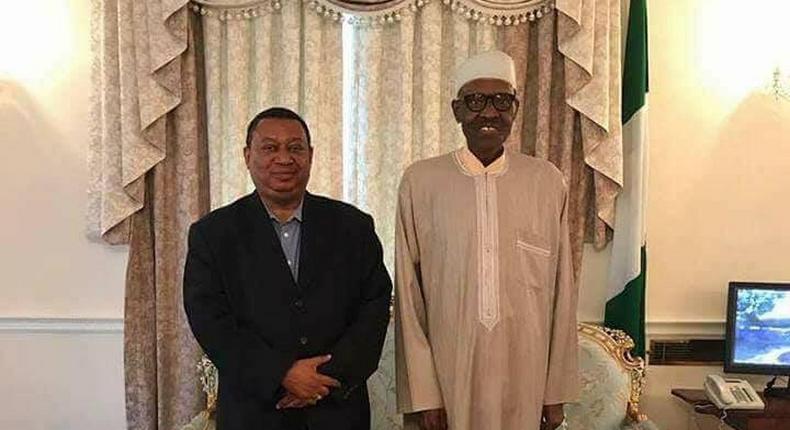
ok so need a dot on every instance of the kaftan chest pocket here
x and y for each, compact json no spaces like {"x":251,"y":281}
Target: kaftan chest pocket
{"x":534,"y":260}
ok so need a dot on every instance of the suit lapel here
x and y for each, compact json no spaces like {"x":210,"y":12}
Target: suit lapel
{"x":268,"y":257}
{"x":315,"y":241}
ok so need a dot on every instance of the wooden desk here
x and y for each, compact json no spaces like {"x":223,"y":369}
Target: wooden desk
{"x":776,"y":415}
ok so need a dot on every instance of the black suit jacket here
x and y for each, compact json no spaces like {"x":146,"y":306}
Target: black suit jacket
{"x":253,"y":321}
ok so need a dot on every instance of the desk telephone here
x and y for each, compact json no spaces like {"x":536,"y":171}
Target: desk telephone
{"x":732,"y":393}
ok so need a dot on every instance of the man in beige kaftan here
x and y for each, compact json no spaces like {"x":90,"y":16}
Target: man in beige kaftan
{"x":485,"y":300}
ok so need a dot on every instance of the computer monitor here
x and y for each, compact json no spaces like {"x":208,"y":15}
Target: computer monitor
{"x":758,"y":328}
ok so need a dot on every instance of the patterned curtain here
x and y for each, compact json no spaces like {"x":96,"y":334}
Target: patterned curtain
{"x":150,"y":181}
{"x":568,"y":61}
{"x":137,"y":74}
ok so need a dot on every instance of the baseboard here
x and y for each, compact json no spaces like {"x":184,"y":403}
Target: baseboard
{"x":61,"y":325}
{"x":654,"y":329}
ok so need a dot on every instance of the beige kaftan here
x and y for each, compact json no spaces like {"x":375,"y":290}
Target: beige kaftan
{"x":485,"y":314}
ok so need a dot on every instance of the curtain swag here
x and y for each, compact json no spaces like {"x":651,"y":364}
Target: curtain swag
{"x":382,"y":12}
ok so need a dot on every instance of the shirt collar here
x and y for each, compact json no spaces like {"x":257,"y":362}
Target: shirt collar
{"x":471,"y":166}
{"x":297,"y":215}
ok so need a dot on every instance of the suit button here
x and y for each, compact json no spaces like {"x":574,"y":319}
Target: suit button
{"x":299,"y":304}
{"x":303,"y":340}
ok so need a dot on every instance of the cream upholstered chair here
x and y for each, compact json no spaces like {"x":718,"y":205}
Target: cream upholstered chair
{"x":611,"y":384}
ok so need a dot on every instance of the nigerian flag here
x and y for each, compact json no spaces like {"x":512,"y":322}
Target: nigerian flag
{"x":625,"y":306}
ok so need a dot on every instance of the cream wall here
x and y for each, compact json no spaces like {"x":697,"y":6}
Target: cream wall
{"x":50,"y":268}
{"x":719,"y":183}
{"x":719,"y":170}
{"x":61,"y":381}
{"x":53,"y":377}
{"x":719,"y":180}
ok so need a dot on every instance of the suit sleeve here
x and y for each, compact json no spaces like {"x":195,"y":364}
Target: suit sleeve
{"x":356,"y":355}
{"x":562,"y":382}
{"x":241,"y":356}
{"x":417,"y":382}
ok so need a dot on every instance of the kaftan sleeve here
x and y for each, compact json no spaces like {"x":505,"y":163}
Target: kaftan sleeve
{"x":417,"y":382}
{"x":562,"y":382}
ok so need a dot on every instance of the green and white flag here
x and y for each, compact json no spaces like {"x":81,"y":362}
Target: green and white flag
{"x":625,"y":306}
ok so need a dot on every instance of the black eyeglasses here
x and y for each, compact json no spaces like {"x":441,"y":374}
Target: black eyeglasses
{"x":476,"y":102}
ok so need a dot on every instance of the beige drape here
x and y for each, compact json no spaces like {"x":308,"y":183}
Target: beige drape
{"x":160,"y":353}
{"x":589,"y":39}
{"x":150,"y":181}
{"x":398,"y":106}
{"x":137,"y":83}
{"x":137,"y":77}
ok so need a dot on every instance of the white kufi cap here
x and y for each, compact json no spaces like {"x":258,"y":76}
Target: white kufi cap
{"x":487,"y":65}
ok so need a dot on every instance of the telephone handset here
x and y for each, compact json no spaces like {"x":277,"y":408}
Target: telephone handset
{"x":732,"y":393}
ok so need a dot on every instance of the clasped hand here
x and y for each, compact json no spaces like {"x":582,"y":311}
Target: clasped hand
{"x":305,"y":385}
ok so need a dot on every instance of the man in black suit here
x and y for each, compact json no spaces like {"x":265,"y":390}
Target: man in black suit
{"x":287,"y":293}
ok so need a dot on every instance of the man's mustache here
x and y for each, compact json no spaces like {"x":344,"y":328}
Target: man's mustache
{"x":480,"y":123}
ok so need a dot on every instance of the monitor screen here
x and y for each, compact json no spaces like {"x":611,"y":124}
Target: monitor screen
{"x":758,"y":328}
